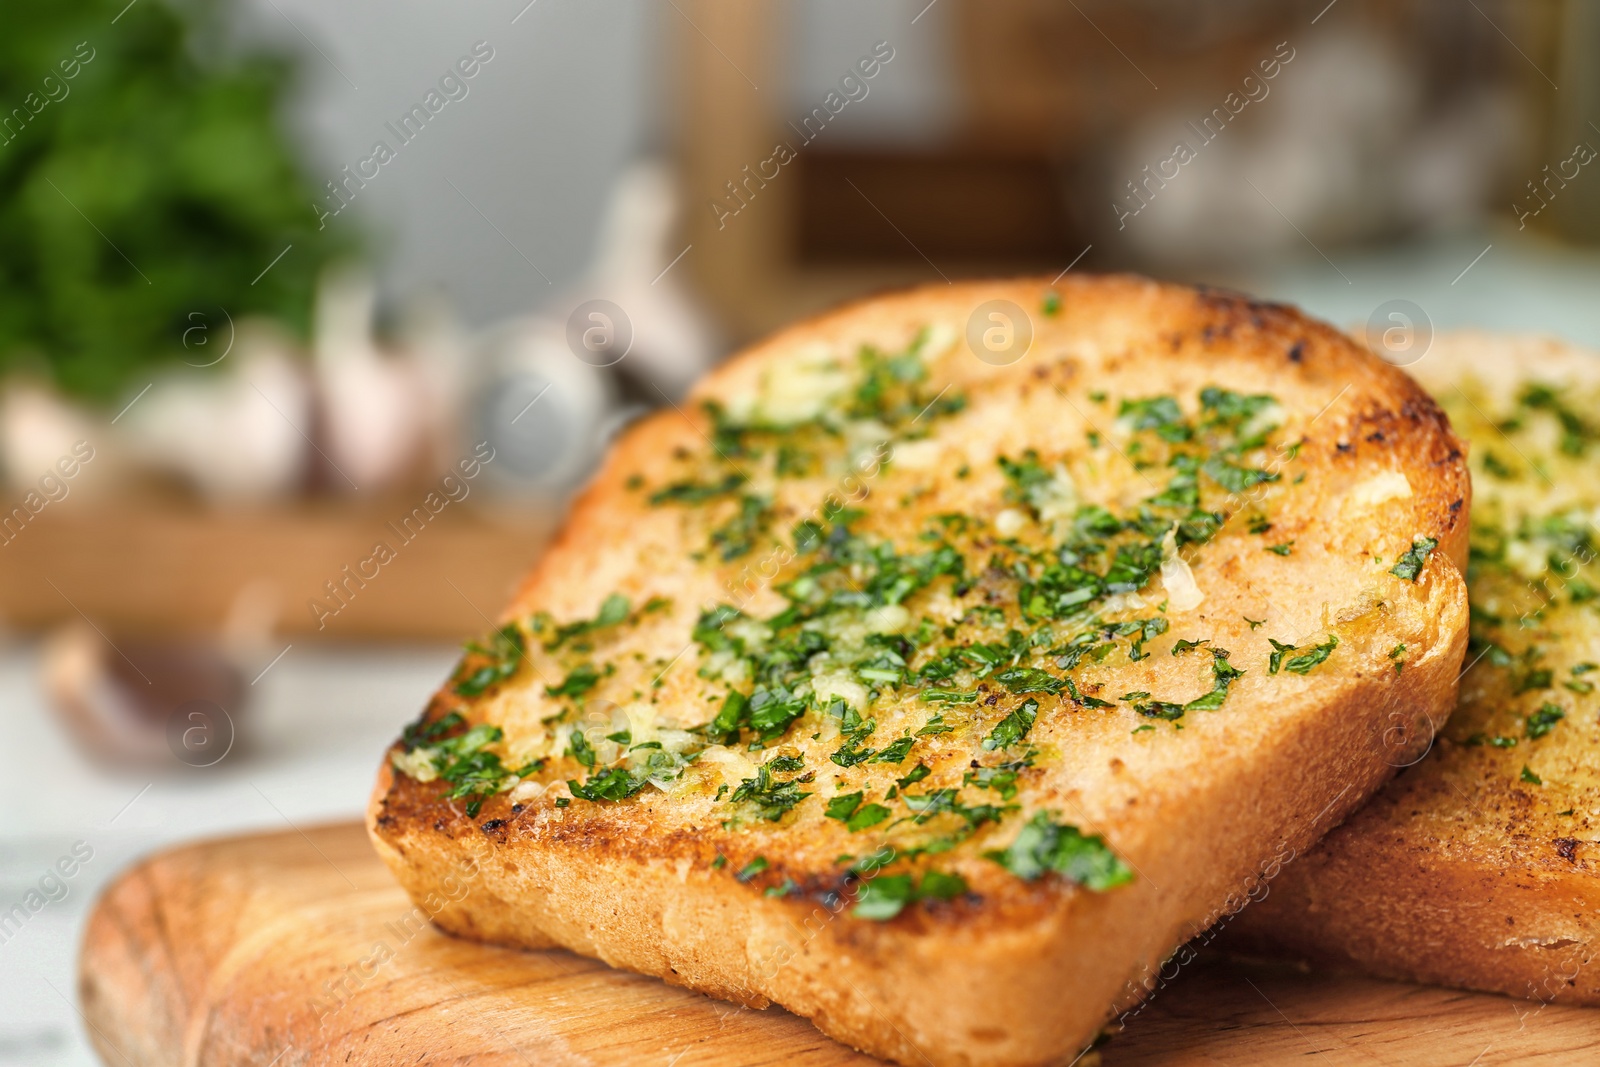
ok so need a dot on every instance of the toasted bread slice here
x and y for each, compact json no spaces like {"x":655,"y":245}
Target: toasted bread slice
{"x":951,"y":659}
{"x":1477,"y":866}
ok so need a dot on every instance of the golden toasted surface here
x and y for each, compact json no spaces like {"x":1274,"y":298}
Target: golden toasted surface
{"x":1013,"y":665}
{"x":1476,"y":866}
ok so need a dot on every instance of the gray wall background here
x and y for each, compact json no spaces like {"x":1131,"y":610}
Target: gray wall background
{"x":575,"y":91}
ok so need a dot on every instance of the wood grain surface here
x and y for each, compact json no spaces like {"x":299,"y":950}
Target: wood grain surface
{"x":298,"y":949}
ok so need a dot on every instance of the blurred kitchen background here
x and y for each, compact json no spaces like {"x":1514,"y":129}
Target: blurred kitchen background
{"x":312,"y":316}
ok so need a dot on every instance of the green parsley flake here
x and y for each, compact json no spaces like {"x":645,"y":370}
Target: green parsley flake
{"x":843,"y":806}
{"x":613,"y":610}
{"x":895,"y":752}
{"x":613,"y":784}
{"x":1043,"y":846}
{"x":1234,"y":478}
{"x":578,"y":748}
{"x":1021,"y":680}
{"x":915,"y":775}
{"x":692,"y":492}
{"x":883,"y":897}
{"x":1544,"y":720}
{"x":869,"y":815}
{"x":503,"y":652}
{"x":582,"y":678}
{"x":1414,"y":559}
{"x":464,"y":761}
{"x":1158,"y":413}
{"x":737,"y":537}
{"x":1305,"y":661}
{"x":1013,"y":729}
{"x":768,"y":798}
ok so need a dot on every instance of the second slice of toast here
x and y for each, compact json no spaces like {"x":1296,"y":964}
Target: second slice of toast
{"x":1477,"y":866}
{"x":949,"y":660}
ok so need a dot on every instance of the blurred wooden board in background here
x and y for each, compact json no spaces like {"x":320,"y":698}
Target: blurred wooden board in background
{"x":153,"y":566}
{"x":297,"y":949}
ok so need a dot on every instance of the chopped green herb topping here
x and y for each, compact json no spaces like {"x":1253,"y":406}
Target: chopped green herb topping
{"x":1414,"y":559}
{"x":1234,"y":478}
{"x":465,"y":762}
{"x":1002,"y":779}
{"x":1305,"y":661}
{"x":1085,"y":701}
{"x":896,"y":751}
{"x":1021,"y":680}
{"x":1013,"y":729}
{"x":491,"y":663}
{"x":613,"y":609}
{"x":1223,"y":675}
{"x":885,"y":896}
{"x":579,"y":749}
{"x":916,"y":774}
{"x":422,"y":732}
{"x":847,"y":808}
{"x":737,"y":536}
{"x":1226,"y":407}
{"x":1576,"y":433}
{"x":1043,"y":846}
{"x":1544,"y":720}
{"x":692,"y":492}
{"x":583,"y":678}
{"x":843,"y":806}
{"x":767,"y":797}
{"x":614,"y":783}
{"x":1158,"y":413}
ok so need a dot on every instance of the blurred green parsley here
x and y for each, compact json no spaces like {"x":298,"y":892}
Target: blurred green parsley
{"x":155,"y":182}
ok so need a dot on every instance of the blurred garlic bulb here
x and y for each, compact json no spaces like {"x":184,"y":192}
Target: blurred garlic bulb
{"x":636,"y":267}
{"x":372,"y":405}
{"x":234,"y":431}
{"x":543,"y":410}
{"x":37,"y":427}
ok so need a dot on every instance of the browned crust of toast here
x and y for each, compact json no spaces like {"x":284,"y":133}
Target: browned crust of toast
{"x":1454,"y":874}
{"x":1017,"y":973}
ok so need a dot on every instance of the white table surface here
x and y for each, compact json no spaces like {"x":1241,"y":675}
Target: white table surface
{"x":324,"y":718}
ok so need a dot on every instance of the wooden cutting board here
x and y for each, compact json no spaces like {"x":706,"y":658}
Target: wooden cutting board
{"x":294,"y":949}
